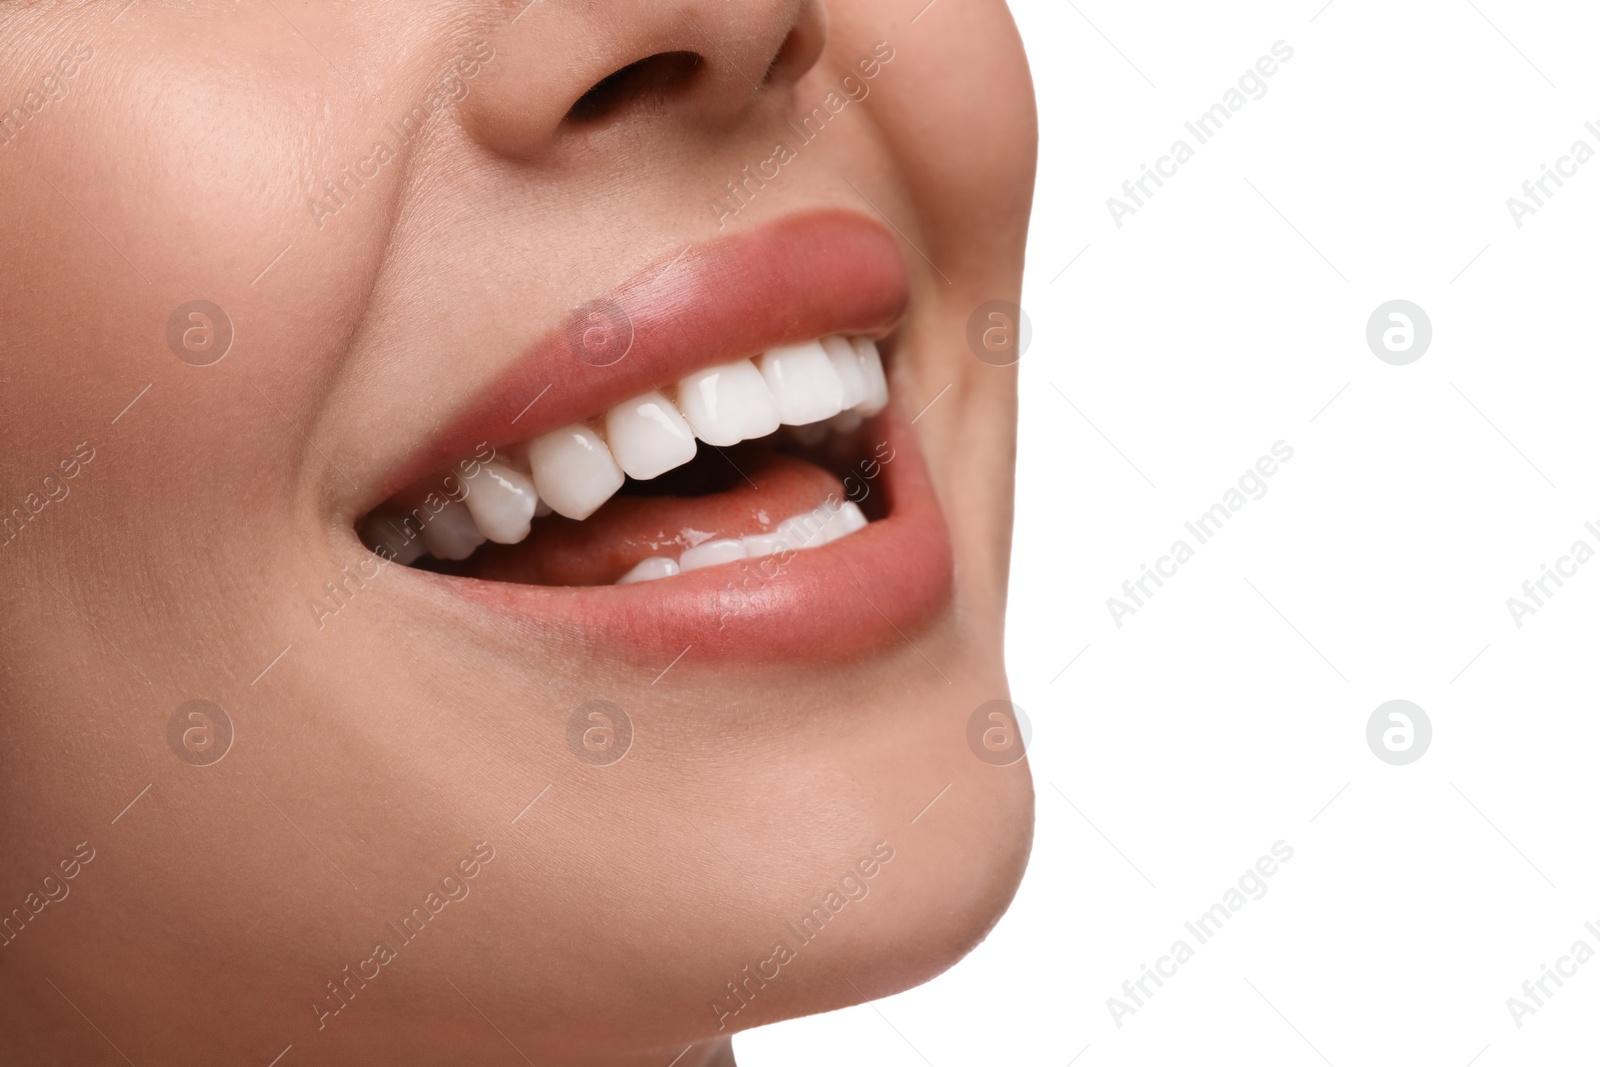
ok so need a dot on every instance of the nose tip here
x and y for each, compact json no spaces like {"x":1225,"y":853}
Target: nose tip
{"x":561,"y":67}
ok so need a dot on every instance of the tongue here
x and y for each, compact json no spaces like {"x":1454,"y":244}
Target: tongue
{"x":629,"y":529}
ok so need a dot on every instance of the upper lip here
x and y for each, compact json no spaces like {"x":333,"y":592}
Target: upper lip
{"x":804,"y":276}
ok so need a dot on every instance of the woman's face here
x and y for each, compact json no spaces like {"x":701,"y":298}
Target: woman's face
{"x":434,"y":809}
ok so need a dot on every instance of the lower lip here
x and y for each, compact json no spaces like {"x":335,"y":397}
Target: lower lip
{"x":859,"y":594}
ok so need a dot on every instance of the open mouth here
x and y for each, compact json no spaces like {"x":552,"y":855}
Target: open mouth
{"x":747,"y":460}
{"x":733,"y":475}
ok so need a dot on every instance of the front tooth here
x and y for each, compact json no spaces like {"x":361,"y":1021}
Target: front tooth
{"x":573,"y":470}
{"x":710,"y":554}
{"x":804,"y":382}
{"x":451,"y":534}
{"x":649,"y":570}
{"x":728,"y":404}
{"x":502,"y":501}
{"x":648,"y":437}
{"x":847,"y":365}
{"x":877,"y":384}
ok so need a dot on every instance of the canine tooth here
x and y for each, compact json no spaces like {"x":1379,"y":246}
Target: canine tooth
{"x":872,"y":367}
{"x":541,"y":508}
{"x":710,"y":554}
{"x":850,"y":519}
{"x":728,"y":404}
{"x":502,"y":501}
{"x":809,"y":529}
{"x":803,"y":381}
{"x":648,"y":437}
{"x":451,"y":534}
{"x":649,"y":570}
{"x":573,"y":470}
{"x":847,"y":365}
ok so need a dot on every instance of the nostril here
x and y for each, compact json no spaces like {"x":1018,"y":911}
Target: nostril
{"x":649,"y":80}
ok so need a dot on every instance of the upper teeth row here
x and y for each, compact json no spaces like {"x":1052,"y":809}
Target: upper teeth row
{"x":577,"y":468}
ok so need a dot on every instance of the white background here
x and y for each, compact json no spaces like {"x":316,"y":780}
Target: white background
{"x":1230,"y":711}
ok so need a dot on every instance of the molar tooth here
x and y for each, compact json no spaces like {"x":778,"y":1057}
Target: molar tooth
{"x":803,"y":381}
{"x":728,"y":404}
{"x":710,"y":554}
{"x":847,"y":365}
{"x":845,"y":422}
{"x":648,"y":437}
{"x":502,"y":501}
{"x":650,"y":570}
{"x":877,"y":383}
{"x":573,"y":470}
{"x":451,"y":534}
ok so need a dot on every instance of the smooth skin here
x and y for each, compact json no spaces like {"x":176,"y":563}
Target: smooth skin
{"x":181,"y":160}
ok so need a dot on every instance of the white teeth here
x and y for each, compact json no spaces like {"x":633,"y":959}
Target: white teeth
{"x":877,"y":384}
{"x":814,"y":388}
{"x":804,"y":383}
{"x":451,"y":534}
{"x":648,"y":437}
{"x":850,"y":519}
{"x":728,"y":404}
{"x":847,"y":365}
{"x":710,"y":554}
{"x":759,"y":546}
{"x":573,"y":470}
{"x":502,"y":502}
{"x":649,"y":570}
{"x":810,"y":529}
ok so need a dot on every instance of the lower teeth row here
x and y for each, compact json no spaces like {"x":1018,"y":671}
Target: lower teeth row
{"x":809,"y":529}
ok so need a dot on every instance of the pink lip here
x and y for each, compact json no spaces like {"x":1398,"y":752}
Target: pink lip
{"x":806,"y":276}
{"x":860,"y":594}
{"x":802,"y":277}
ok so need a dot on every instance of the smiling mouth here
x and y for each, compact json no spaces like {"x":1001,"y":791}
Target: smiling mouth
{"x":756,"y":458}
{"x":737,"y":478}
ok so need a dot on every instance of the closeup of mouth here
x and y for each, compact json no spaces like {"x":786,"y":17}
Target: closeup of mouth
{"x":745,"y":460}
{"x":725,"y":466}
